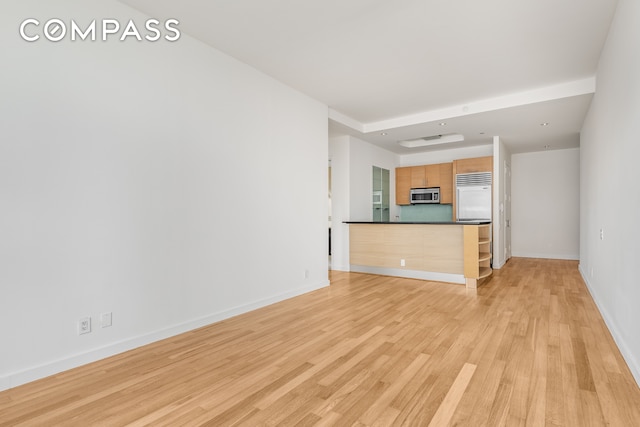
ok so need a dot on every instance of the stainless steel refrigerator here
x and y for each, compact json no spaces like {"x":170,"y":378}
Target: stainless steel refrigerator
{"x":473,"y":196}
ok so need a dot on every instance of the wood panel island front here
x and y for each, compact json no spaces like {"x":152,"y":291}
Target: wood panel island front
{"x":456,"y":252}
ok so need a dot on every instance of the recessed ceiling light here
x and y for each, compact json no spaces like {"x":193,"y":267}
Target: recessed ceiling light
{"x":544,"y":124}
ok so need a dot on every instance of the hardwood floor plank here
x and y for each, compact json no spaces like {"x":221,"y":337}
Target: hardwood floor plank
{"x":448,"y":406}
{"x":528,"y":347}
{"x":381,"y":404}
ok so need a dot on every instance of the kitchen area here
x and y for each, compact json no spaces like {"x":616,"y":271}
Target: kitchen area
{"x":439,"y":228}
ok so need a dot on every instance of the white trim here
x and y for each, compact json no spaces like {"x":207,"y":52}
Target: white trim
{"x":345,"y":120}
{"x":498,"y":266}
{"x":548,"y":93}
{"x":410,"y":274}
{"x":569,"y":89}
{"x":38,"y":372}
{"x":627,"y":355}
{"x":5,"y":383}
{"x":572,"y":257}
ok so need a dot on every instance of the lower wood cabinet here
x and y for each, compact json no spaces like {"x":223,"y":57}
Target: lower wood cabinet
{"x":449,"y":252}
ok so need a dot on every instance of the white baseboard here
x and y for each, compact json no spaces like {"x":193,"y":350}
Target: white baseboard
{"x":572,"y":257}
{"x":411,"y":274}
{"x":54,"y":367}
{"x":340,"y":267}
{"x":632,"y":362}
{"x":5,"y":383}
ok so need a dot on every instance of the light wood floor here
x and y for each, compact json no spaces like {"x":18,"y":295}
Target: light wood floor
{"x":529,"y":349}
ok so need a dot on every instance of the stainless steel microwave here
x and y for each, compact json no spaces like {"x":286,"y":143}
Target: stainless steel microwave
{"x":425,"y":195}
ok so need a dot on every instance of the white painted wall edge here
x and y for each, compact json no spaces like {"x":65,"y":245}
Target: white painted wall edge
{"x":340,"y":267}
{"x":632,"y":363}
{"x":498,"y":266}
{"x":571,"y":257}
{"x":410,"y":274}
{"x":58,"y":366}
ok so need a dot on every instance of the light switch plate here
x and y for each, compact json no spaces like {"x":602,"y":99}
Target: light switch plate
{"x":105,"y":319}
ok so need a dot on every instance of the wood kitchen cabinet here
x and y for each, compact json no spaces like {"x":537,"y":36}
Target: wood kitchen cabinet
{"x":403,"y":185}
{"x":438,"y":175}
{"x":454,"y":252}
{"x":425,"y":176}
{"x":476,"y":164}
{"x":477,"y":253}
{"x":446,"y":183}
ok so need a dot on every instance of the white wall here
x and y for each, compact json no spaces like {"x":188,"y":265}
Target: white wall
{"x":545,"y":189}
{"x":364,"y":157}
{"x":164,"y":182}
{"x":352,"y":162}
{"x":609,"y":174}
{"x":339,"y":154}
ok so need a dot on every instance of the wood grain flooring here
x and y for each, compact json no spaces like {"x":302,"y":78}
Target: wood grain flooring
{"x":528,"y":348}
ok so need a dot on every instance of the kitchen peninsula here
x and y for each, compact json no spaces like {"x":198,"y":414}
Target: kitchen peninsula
{"x":455,"y":252}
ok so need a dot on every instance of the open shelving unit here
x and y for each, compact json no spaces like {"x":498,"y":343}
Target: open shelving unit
{"x":477,"y":254}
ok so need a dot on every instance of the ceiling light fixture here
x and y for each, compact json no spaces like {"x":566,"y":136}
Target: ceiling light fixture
{"x":432,"y":140}
{"x":544,"y":124}
{"x":383,"y":133}
{"x":442,"y":123}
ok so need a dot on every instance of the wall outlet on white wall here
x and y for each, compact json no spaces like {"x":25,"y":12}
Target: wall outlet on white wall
{"x":84,"y":325}
{"x":402,"y":263}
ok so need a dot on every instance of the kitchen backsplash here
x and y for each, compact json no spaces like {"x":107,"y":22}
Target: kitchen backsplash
{"x":426,"y":213}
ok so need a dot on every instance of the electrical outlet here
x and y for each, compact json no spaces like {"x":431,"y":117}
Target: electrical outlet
{"x":306,"y":274}
{"x":402,"y":263}
{"x":84,"y":325}
{"x":601,"y":234}
{"x":105,"y":320}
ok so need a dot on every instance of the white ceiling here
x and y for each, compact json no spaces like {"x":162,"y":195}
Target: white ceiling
{"x":489,"y":67}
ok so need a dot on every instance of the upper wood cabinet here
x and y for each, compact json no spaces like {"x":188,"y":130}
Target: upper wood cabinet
{"x":425,"y":176}
{"x":438,"y":175}
{"x":446,"y":182}
{"x":403,"y":185}
{"x":476,"y":164}
{"x":418,"y":177}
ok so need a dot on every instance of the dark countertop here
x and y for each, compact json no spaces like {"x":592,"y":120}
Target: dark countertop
{"x":421,"y":222}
